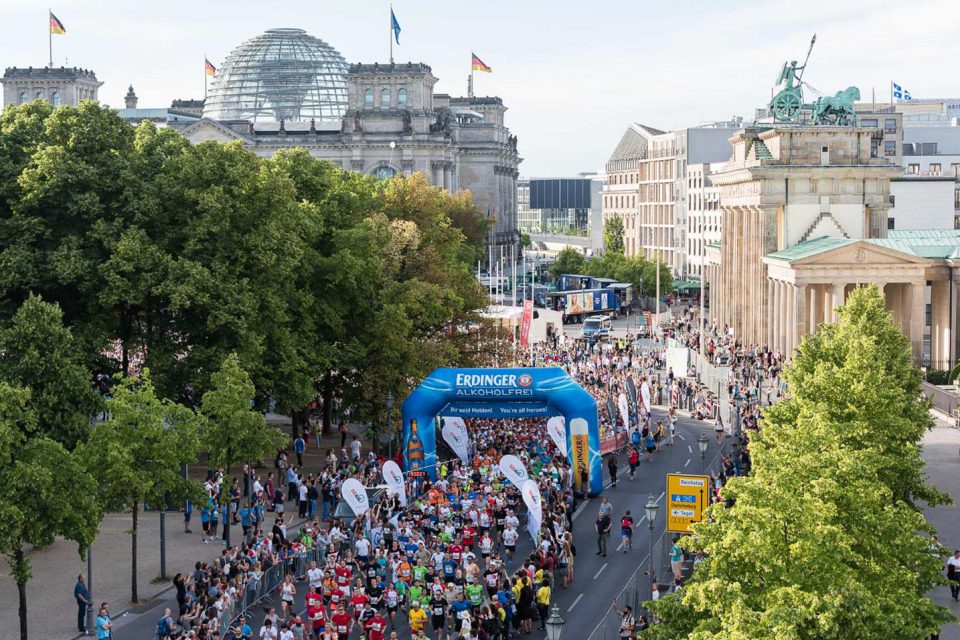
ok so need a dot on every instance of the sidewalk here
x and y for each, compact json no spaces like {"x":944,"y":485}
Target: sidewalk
{"x":941,"y":451}
{"x":51,"y":611}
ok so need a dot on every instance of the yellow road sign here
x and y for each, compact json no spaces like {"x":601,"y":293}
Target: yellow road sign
{"x":687,"y":497}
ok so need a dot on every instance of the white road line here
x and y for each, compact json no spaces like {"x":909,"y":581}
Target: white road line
{"x":640,"y":521}
{"x":680,"y":435}
{"x":687,"y":463}
{"x":570,"y":608}
{"x":690,"y":448}
{"x":661,"y":496}
{"x":620,"y":546}
{"x":597,"y":574}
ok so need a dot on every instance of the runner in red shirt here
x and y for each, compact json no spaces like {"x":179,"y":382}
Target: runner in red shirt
{"x":469,"y":534}
{"x":456,"y":550}
{"x":376,"y":626}
{"x":342,"y":623}
{"x":357,"y":602}
{"x":316,"y":613}
{"x":344,"y":576}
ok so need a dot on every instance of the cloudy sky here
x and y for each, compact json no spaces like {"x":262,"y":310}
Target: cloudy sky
{"x":573,"y":73}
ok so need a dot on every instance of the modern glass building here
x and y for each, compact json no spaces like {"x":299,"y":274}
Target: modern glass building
{"x":282,"y":74}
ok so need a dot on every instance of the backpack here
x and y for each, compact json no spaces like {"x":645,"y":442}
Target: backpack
{"x":163,"y":629}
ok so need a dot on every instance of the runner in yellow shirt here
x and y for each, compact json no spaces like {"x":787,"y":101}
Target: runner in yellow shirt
{"x":418,"y":617}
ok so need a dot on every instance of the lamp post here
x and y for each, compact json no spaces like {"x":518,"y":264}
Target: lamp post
{"x":390,"y":424}
{"x":702,"y":443}
{"x":90,"y":624}
{"x":651,"y":509}
{"x":554,"y":624}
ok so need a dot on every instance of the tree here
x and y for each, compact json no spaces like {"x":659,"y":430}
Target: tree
{"x":46,"y":492}
{"x":569,"y":260}
{"x":38,"y":353}
{"x":525,"y":241}
{"x":823,"y":539}
{"x":613,"y":234}
{"x":231,"y":431}
{"x":136,"y":455}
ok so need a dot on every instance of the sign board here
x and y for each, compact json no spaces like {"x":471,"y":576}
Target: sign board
{"x":687,"y":497}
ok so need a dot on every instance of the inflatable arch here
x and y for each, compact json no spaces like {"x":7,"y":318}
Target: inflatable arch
{"x":503,"y":393}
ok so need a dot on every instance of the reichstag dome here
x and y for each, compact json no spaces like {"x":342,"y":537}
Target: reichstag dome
{"x":281,"y":75}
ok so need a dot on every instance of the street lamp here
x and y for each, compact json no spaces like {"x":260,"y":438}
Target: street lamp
{"x":651,"y":509}
{"x":702,"y":443}
{"x":390,"y":424}
{"x":554,"y":624}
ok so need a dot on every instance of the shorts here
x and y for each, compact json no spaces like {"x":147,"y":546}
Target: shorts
{"x":626,"y":532}
{"x":437,"y":622}
{"x":651,"y":449}
{"x":392,"y":609}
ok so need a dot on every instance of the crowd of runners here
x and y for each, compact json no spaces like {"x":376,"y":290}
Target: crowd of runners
{"x":446,"y":565}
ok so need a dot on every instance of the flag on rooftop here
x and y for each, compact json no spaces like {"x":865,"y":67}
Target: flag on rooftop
{"x":479,"y":65}
{"x":56,"y":26}
{"x":209,"y":68}
{"x":394,"y":26}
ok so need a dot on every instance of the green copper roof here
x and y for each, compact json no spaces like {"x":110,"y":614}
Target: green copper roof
{"x":809,"y":248}
{"x":931,"y":244}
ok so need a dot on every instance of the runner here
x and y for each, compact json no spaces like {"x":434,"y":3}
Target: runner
{"x":626,"y":531}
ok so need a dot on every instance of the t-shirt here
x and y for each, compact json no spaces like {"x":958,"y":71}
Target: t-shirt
{"x":376,"y":627}
{"x":474,"y":594}
{"x":543,"y":595}
{"x":438,"y":607}
{"x":103,"y":634}
{"x":268,"y":633}
{"x":341,"y":623}
{"x":417,"y":617}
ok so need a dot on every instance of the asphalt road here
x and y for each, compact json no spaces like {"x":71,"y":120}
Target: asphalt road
{"x":598,"y":580}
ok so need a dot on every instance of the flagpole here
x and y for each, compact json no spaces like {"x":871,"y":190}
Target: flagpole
{"x":205,"y":76}
{"x":50,"y":36}
{"x":391,"y":33}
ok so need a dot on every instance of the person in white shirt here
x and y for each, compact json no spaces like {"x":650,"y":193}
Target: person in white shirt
{"x":268,"y":631}
{"x":363,"y":549}
{"x":315,"y":576}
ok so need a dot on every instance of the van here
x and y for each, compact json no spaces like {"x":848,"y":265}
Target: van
{"x":597,"y":327}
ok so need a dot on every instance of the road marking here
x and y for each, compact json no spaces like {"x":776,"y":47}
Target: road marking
{"x":689,"y":448}
{"x":570,"y":608}
{"x":680,"y":435}
{"x":620,"y":546}
{"x":661,"y":496}
{"x":597,"y":574}
{"x":640,"y":521}
{"x":687,"y":463}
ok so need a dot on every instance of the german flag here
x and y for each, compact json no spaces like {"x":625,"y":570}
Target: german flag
{"x":56,"y":26}
{"x":209,"y":68}
{"x":479,"y":65}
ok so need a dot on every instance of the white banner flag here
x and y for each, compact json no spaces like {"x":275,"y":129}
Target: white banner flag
{"x":624,"y":410}
{"x":455,"y":434}
{"x":393,"y":477}
{"x":513,"y":469}
{"x":355,"y":495}
{"x":645,"y":395}
{"x":558,"y":433}
{"x":531,"y":497}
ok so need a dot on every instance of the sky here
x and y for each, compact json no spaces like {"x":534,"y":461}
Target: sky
{"x":573,"y":74}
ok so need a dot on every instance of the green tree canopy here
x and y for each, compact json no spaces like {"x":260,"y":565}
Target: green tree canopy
{"x":38,"y":353}
{"x":46,"y":494}
{"x":823,"y":539}
{"x":613,"y":234}
{"x":232,"y":431}
{"x":569,"y":260}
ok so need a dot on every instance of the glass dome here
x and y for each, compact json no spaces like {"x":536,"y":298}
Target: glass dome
{"x":282,"y":74}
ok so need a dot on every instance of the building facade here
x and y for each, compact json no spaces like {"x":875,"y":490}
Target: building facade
{"x":703,"y":216}
{"x":647,"y":187}
{"x":65,"y":86}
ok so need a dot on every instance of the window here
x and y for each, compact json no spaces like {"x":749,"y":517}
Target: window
{"x":869,"y":122}
{"x":55,"y":98}
{"x":889,"y":147}
{"x":956,"y":198}
{"x":368,"y":98}
{"x":385,"y":97}
{"x":891,"y":224}
{"x":913,"y":169}
{"x":956,"y":169}
{"x":934,"y":168}
{"x":890,"y":125}
{"x":401,"y":97}
{"x":892,"y":199}
{"x":23,"y":97}
{"x":39,"y":95}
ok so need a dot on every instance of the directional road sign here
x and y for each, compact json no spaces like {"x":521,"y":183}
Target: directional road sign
{"x":687,"y":497}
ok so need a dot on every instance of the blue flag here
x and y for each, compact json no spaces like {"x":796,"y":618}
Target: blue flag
{"x":395,"y":26}
{"x":900,"y":93}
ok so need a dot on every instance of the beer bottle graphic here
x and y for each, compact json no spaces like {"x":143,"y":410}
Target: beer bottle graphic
{"x":414,"y":450}
{"x":580,"y":443}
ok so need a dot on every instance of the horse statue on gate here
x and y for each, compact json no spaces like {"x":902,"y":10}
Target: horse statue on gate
{"x":838,"y":109}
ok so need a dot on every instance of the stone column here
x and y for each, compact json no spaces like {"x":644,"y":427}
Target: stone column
{"x":789,"y":317}
{"x":775,"y":315}
{"x":801,"y":314}
{"x":839,"y":291}
{"x":918,"y":314}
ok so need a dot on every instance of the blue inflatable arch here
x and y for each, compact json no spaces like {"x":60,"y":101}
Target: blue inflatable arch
{"x":503,"y":393}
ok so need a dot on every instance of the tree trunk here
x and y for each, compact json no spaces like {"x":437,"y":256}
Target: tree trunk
{"x":133,"y":563}
{"x":326,"y":391}
{"x":19,"y":572}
